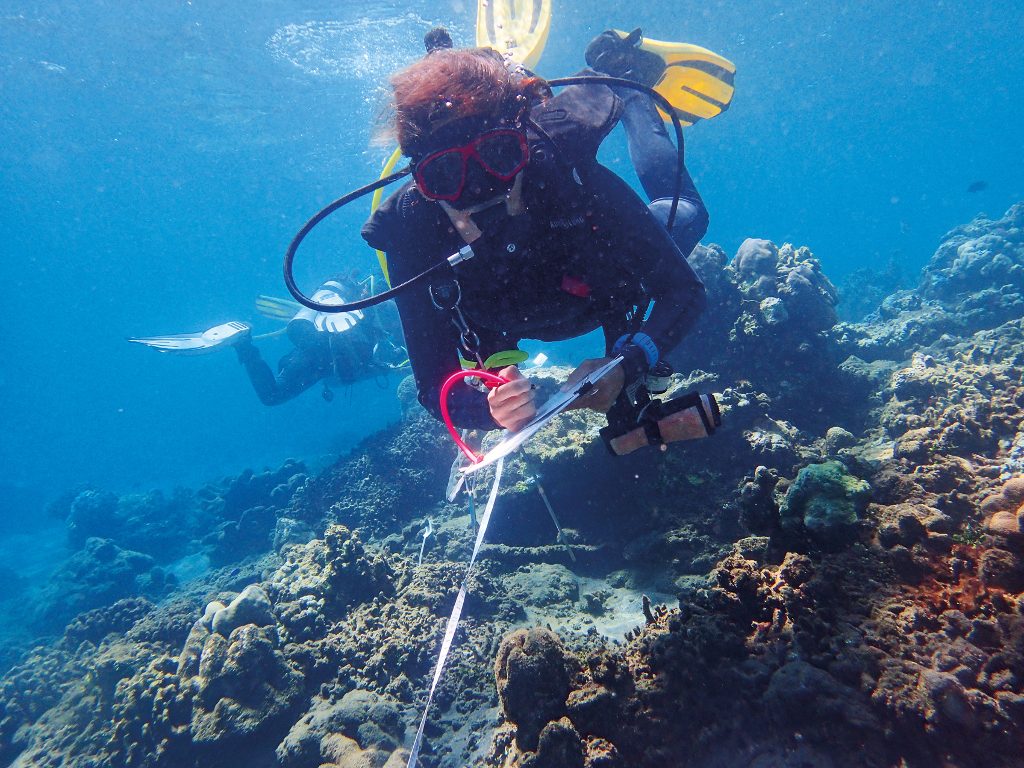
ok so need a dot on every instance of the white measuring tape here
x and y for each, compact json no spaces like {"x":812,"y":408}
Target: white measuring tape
{"x":453,"y":620}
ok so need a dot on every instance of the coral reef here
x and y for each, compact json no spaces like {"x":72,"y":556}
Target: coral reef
{"x":247,"y":509}
{"x":907,"y":628}
{"x":974,"y":282}
{"x":865,"y":288}
{"x":92,"y":626}
{"x":826,"y":502}
{"x":149,"y":523}
{"x":532,"y":672}
{"x":1004,"y":511}
{"x":834,"y":579}
{"x":97,"y":575}
{"x":241,"y":683}
{"x":231,"y":519}
{"x":361,"y":728}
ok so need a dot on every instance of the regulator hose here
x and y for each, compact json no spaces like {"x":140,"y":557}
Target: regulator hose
{"x":371,"y":301}
{"x":490,"y":379}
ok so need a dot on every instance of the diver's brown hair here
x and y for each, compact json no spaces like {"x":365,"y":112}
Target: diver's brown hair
{"x":448,"y":84}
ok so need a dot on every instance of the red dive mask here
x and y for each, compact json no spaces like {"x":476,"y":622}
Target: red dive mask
{"x":502,"y":153}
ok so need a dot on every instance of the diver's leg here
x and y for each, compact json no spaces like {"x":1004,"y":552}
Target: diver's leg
{"x":691,"y":222}
{"x":650,"y":149}
{"x":298,"y":372}
{"x":260,"y":375}
{"x":654,"y":157}
{"x":653,"y":154}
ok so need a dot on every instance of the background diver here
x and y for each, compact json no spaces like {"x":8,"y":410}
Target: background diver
{"x":335,"y":349}
{"x":564,"y":246}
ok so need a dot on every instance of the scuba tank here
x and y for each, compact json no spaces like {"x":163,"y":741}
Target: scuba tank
{"x":306,"y":327}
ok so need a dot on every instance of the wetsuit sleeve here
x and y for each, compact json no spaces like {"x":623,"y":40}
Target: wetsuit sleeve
{"x":643,"y":247}
{"x":430,"y":337}
{"x":299,"y":370}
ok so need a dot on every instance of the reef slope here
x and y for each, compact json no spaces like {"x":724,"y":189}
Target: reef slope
{"x":836,"y":578}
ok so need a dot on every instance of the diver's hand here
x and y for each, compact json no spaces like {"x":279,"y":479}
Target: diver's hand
{"x":512,"y":404}
{"x":603,"y":395}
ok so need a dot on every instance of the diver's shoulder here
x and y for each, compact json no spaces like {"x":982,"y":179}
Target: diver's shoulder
{"x":578,"y":118}
{"x":403,"y":214}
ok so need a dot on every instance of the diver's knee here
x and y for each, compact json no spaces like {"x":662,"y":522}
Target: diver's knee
{"x":701,"y":219}
{"x":691,"y":222}
{"x":690,"y":214}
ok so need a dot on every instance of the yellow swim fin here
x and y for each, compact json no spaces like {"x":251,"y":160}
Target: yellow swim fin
{"x":515,"y":28}
{"x":378,"y":195}
{"x":697,"y":82}
{"x":277,"y":309}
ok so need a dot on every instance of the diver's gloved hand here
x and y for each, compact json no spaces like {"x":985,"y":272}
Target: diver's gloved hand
{"x":387,"y":354}
{"x":617,"y":56}
{"x":512,"y":405}
{"x":604,"y":393}
{"x":437,"y":39}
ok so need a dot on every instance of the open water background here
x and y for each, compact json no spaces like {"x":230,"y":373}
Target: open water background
{"x":157,"y":157}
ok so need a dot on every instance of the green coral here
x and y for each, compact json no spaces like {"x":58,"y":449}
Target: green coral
{"x":826,"y":501}
{"x":971,"y":536}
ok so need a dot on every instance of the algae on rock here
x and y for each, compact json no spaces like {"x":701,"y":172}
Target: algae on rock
{"x":826,"y":501}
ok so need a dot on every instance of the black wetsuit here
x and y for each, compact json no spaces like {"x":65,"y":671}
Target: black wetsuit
{"x":654,"y":157}
{"x":586,"y":253}
{"x":344,"y":360}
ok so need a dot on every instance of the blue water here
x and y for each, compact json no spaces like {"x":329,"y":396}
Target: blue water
{"x":158,"y":156}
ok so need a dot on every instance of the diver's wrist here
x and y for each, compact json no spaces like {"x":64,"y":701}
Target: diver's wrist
{"x":639,"y":355}
{"x":638,"y":346}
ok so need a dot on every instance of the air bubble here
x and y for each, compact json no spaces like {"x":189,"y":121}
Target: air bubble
{"x":361,"y":48}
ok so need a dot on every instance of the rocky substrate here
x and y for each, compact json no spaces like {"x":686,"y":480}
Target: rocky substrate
{"x":836,"y":578}
{"x":869,"y":623}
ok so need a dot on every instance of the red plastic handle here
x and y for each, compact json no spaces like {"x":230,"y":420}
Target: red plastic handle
{"x":491,"y":379}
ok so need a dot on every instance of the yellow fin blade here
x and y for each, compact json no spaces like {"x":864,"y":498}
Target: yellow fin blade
{"x":389,"y":166}
{"x":515,"y":28}
{"x":277,"y":309}
{"x":697,"y":82}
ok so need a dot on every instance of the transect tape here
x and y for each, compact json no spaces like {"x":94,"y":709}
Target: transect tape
{"x":453,"y":620}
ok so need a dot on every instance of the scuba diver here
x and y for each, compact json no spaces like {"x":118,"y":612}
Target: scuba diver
{"x":511,"y":229}
{"x":335,"y":349}
{"x":563,"y":246}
